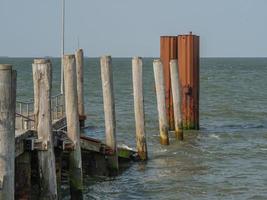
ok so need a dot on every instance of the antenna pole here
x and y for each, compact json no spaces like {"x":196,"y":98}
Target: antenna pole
{"x":62,"y":47}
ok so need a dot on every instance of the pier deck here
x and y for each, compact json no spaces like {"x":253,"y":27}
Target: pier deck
{"x":62,"y":142}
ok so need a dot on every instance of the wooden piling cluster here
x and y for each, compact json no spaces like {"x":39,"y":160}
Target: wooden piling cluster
{"x":47,"y":144}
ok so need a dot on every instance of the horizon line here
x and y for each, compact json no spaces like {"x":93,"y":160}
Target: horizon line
{"x":132,"y":56}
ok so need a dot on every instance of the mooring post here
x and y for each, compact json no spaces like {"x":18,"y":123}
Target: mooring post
{"x":42,"y":73}
{"x":71,"y":103}
{"x":160,"y":90}
{"x":137,"y":73}
{"x":109,"y":109}
{"x":176,"y":95}
{"x":79,"y":72}
{"x":7,"y":132}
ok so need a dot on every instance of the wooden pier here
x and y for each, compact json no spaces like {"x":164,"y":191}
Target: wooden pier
{"x":45,"y":137}
{"x":41,"y":136}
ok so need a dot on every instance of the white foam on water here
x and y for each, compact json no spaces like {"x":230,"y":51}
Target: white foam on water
{"x":161,"y":150}
{"x":215,"y":136}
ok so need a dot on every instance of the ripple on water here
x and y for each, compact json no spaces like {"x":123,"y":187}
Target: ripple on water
{"x":226,"y":159}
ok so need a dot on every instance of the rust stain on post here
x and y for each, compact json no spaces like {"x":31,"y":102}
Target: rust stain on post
{"x":188,"y":61}
{"x":168,"y":51}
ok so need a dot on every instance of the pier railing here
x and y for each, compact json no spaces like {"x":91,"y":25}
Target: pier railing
{"x":57,"y":107}
{"x":25,"y":111}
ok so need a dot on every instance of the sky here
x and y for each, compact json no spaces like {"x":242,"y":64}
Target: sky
{"x":126,"y":28}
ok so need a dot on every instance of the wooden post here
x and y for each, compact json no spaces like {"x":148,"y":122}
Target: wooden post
{"x":79,"y":71}
{"x":71,"y":102}
{"x":137,"y":73}
{"x":23,"y":176}
{"x":109,"y":109}
{"x":22,"y":163}
{"x":42,"y":73}
{"x":7,"y":132}
{"x":160,"y":90}
{"x":176,"y":95}
{"x":58,"y":158}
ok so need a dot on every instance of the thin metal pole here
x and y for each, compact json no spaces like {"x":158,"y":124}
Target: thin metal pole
{"x":62,"y":47}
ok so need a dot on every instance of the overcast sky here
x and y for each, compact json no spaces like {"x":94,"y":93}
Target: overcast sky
{"x":125,"y":28}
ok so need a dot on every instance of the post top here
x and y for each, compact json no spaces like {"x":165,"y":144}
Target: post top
{"x":168,"y":36}
{"x":106,"y":57}
{"x":189,"y":34}
{"x":137,"y":57}
{"x":80,"y":49}
{"x":41,"y":61}
{"x":157,"y":61}
{"x":5,"y":67}
{"x":173,"y":61}
{"x":70,"y":56}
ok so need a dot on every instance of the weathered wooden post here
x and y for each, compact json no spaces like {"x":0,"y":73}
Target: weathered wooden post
{"x":58,"y":159}
{"x":22,"y":165}
{"x":7,"y":132}
{"x":109,"y":109}
{"x":79,"y":72}
{"x":42,"y":76}
{"x":176,"y":95}
{"x":137,"y":73}
{"x":160,"y":90}
{"x":23,"y":176}
{"x":71,"y":103}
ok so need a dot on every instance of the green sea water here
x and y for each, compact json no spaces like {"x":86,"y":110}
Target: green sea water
{"x":226,"y":159}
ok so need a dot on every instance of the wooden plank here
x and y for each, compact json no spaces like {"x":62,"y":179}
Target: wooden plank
{"x":90,"y":144}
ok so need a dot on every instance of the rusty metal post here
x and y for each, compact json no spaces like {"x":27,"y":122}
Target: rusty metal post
{"x":188,"y":61}
{"x":168,"y":51}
